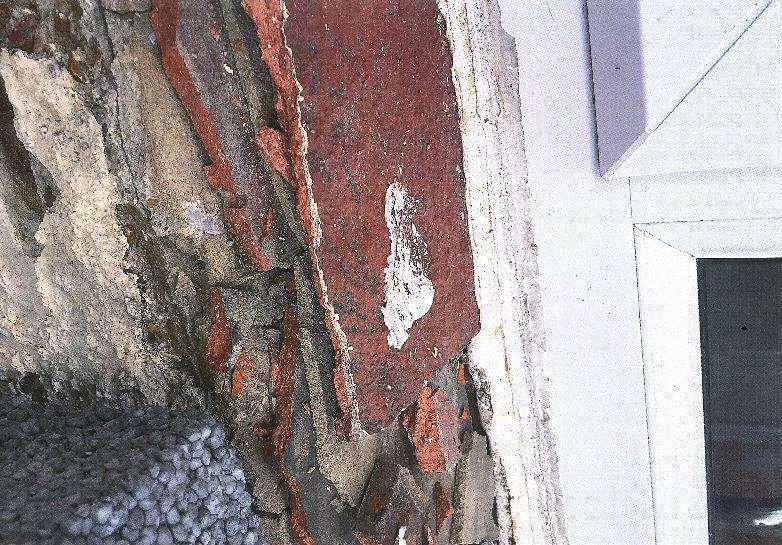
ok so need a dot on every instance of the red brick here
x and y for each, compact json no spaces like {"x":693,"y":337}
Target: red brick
{"x":378,"y":108}
{"x":443,"y":506}
{"x":432,"y":427}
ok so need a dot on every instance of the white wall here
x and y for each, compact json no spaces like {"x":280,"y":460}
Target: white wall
{"x":583,"y":226}
{"x":586,"y":257}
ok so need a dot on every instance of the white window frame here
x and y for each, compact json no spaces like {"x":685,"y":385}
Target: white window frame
{"x":666,"y":258}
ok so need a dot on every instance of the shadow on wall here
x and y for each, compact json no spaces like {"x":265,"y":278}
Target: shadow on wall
{"x":617,"y":77}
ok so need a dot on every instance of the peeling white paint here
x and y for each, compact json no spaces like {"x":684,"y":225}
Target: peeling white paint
{"x":506,"y":357}
{"x":400,"y":539}
{"x":409,"y":292}
{"x":201,"y":219}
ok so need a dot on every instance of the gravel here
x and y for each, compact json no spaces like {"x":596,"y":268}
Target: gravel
{"x":118,"y":474}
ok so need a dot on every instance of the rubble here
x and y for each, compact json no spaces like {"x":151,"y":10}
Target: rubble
{"x":118,"y":474}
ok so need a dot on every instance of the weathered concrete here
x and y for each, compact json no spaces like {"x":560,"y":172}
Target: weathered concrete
{"x":472,"y":518}
{"x":71,"y":312}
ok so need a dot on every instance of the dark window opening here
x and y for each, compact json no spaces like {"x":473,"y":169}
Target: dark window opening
{"x":741,"y":314}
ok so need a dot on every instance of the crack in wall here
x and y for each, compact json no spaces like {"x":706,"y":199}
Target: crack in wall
{"x":30,"y":191}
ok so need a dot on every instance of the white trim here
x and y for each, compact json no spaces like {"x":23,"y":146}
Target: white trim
{"x":749,"y":238}
{"x":670,"y":336}
{"x":506,"y":355}
{"x":666,"y":257}
{"x":614,"y":170}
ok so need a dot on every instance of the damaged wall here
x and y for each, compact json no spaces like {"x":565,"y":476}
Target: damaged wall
{"x":79,"y":309}
{"x":261,"y":210}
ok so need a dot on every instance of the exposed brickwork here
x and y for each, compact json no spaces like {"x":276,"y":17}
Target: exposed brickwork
{"x":246,"y":196}
{"x":219,"y":338}
{"x":298,"y":254}
{"x":378,"y":108}
{"x":432,"y":426}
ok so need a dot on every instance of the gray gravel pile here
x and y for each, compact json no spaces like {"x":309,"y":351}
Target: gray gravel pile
{"x":114,"y":475}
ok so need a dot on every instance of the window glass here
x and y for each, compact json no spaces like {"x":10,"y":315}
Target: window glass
{"x":741,"y":314}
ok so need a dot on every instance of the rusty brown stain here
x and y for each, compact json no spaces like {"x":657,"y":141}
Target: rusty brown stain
{"x":273,"y":146}
{"x":242,"y":230}
{"x":460,"y":373}
{"x":298,"y":517}
{"x":218,"y":339}
{"x":431,"y":425}
{"x":342,"y":425}
{"x":242,"y":370}
{"x":377,"y":501}
{"x":443,"y":506}
{"x":366,"y":539}
{"x":283,"y":366}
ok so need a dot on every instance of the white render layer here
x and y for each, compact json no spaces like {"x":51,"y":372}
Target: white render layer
{"x":585,"y":228}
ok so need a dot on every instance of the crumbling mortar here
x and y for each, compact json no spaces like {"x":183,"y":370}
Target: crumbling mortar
{"x":335,"y":458}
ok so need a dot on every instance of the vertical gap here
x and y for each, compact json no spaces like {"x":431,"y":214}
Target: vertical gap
{"x":643,"y":363}
{"x":704,"y":340}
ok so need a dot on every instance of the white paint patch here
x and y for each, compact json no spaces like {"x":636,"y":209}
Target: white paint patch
{"x":774,"y":518}
{"x":400,"y":539}
{"x":201,"y":219}
{"x":409,"y":293}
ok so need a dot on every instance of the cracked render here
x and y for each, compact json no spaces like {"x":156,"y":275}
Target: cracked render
{"x":254,"y":210}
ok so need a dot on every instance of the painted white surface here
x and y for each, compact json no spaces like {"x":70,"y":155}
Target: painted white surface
{"x":582,"y":227}
{"x":506,"y":355}
{"x":731,"y":118}
{"x":668,"y":299}
{"x":759,"y":238}
{"x":745,"y":194}
{"x":409,"y":292}
{"x":636,"y":76}
{"x":664,"y":67}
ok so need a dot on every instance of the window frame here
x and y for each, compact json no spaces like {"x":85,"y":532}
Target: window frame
{"x":669,"y":312}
